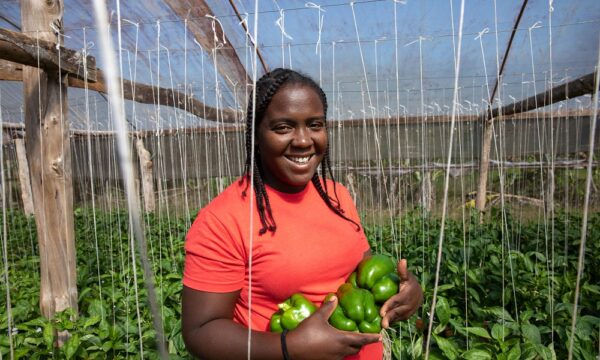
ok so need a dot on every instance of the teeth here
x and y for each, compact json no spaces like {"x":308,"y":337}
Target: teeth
{"x":300,"y":160}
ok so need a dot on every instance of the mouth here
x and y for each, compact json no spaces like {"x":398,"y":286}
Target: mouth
{"x":300,"y":160}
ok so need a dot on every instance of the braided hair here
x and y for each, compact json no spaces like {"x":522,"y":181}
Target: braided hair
{"x":266,"y":87}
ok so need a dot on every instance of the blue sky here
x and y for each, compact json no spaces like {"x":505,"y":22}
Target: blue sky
{"x":403,"y":62}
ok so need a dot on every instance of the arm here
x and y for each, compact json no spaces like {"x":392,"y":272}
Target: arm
{"x":209,"y":332}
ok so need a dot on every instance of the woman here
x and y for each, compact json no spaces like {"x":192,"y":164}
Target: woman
{"x":304,"y":233}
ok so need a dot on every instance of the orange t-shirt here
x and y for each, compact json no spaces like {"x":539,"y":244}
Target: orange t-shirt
{"x":312,"y":251}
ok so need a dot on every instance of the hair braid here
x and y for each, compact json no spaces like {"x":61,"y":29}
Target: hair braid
{"x":336,"y":209}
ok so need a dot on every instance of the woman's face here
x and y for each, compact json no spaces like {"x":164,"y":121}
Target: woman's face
{"x":292,"y":138}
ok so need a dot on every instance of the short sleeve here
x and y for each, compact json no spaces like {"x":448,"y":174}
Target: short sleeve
{"x":214,"y":258}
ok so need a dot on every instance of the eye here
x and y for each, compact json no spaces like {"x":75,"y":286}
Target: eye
{"x":282,"y":128}
{"x":317,"y":125}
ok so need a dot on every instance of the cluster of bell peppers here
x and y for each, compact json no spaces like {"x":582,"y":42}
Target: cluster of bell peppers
{"x":360,"y":297}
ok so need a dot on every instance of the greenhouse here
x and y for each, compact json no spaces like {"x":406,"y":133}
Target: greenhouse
{"x":458,"y":135}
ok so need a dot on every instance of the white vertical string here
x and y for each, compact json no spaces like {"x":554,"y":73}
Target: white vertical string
{"x":447,"y":179}
{"x":504,"y":229}
{"x":186,"y":99}
{"x":126,"y":165}
{"x":252,"y":160}
{"x":397,"y":75}
{"x":320,"y":18}
{"x":462,"y":188}
{"x":9,"y":317}
{"x":91,"y":168}
{"x":133,"y":77}
{"x":551,"y":180}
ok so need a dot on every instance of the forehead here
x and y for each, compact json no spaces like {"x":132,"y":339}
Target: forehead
{"x":296,"y":98}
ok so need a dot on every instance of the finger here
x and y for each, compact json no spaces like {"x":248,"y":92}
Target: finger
{"x":328,"y":307}
{"x":391,"y":303}
{"x":402,"y":312}
{"x":403,"y":270}
{"x":360,"y":340}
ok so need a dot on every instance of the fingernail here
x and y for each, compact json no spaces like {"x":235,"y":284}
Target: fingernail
{"x":331,"y":299}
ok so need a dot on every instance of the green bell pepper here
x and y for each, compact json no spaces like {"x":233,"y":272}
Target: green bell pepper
{"x":291,"y":313}
{"x":378,"y":275}
{"x":338,"y":319}
{"x":356,"y":310}
{"x":352,"y":279}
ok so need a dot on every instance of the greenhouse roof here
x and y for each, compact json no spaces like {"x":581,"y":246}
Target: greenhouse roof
{"x":373,"y":57}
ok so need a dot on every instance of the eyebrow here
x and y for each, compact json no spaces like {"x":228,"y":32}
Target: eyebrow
{"x":273,"y":120}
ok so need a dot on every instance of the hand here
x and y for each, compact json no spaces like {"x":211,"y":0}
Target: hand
{"x":315,"y":338}
{"x":402,"y":305}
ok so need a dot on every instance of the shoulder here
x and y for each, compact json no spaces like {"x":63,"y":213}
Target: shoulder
{"x":224,"y":211}
{"x":335,"y":188}
{"x":218,"y":224}
{"x":230,"y":200}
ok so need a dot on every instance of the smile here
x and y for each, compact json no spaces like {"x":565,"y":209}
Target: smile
{"x":299,"y":159}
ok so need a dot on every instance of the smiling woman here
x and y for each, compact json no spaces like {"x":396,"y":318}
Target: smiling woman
{"x":292,"y":138}
{"x":233,"y":280}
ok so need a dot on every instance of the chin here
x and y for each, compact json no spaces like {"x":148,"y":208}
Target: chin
{"x":299,"y":183}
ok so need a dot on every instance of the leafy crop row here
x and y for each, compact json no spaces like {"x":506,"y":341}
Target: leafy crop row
{"x":506,"y":288}
{"x":505,"y":291}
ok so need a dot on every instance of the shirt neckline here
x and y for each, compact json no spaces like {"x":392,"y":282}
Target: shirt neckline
{"x":290,"y":196}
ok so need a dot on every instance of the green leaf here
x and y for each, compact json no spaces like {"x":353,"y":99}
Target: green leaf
{"x":474,"y":294}
{"x":595,"y":289}
{"x":107,"y":346}
{"x":545,"y":352}
{"x":481,"y":332}
{"x":71,"y":346}
{"x":531,"y":333}
{"x":92,"y":321}
{"x":445,"y":287}
{"x":499,"y":312}
{"x":417,"y":349}
{"x":500,"y":332}
{"x":448,"y":347}
{"x":48,"y":335}
{"x":476,"y":354}
{"x":514,"y":353}
{"x":442,"y":310}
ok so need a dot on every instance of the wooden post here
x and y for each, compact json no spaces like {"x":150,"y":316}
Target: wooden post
{"x":427,"y":193}
{"x":484,"y":164}
{"x":48,"y":149}
{"x":24,"y":177}
{"x":146,"y":175}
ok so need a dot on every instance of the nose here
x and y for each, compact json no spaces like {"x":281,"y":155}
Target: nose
{"x":302,"y":138}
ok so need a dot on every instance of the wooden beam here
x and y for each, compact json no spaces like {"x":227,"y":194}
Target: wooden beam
{"x":245,"y":27}
{"x":26,"y":50}
{"x":48,"y":147}
{"x":227,"y":62}
{"x":10,"y":71}
{"x":578,"y":87}
{"x":141,"y":93}
{"x":148,"y":94}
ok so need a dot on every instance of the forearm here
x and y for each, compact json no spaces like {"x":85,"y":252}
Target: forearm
{"x":226,"y":339}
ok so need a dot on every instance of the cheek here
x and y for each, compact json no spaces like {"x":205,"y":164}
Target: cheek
{"x":322,"y":142}
{"x":271,"y":145}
